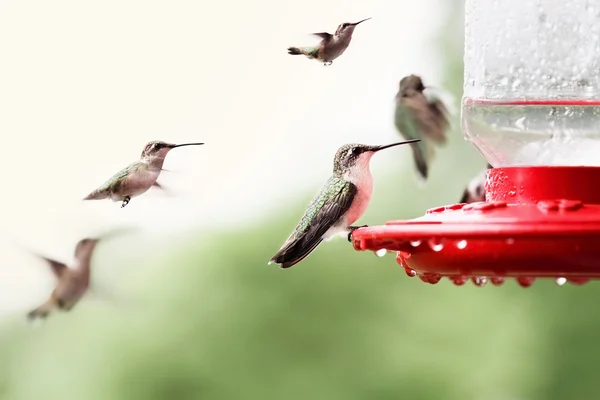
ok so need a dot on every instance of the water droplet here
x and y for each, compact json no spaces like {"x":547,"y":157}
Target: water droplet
{"x":415,"y":243}
{"x":579,"y":281}
{"x":459,"y":280}
{"x":461,"y":244}
{"x":380,"y":252}
{"x":525,"y":281}
{"x":561,"y":281}
{"x":497,"y":280}
{"x":401,"y":259}
{"x":520,"y":123}
{"x":479,"y":280}
{"x":436,"y":244}
{"x":409,"y":271}
{"x":430,"y":278}
{"x":510,"y":241}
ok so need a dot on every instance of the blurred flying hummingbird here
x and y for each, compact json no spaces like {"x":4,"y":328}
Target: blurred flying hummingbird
{"x":73,"y":281}
{"x":138,"y":177}
{"x":332,"y":46}
{"x":341,"y":201}
{"x":475,"y":190}
{"x":418,"y":116}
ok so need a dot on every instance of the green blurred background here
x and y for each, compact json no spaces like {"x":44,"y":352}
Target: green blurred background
{"x":208,"y":319}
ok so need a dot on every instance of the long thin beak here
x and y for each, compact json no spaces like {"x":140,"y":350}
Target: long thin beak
{"x":387,"y":146}
{"x":185,"y":144}
{"x":356,"y":23}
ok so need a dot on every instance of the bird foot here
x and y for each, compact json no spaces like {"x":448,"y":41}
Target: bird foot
{"x":125,"y":201}
{"x":327,"y":63}
{"x":37,"y":314}
{"x":352,"y":229}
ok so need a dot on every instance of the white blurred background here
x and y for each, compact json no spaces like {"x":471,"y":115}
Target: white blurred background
{"x":84,"y":85}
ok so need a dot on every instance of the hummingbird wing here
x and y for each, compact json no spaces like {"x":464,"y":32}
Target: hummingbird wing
{"x":58,"y":268}
{"x":418,"y":117}
{"x":326,"y":208}
{"x":323,"y":35}
{"x":114,"y":183}
{"x":429,"y":116}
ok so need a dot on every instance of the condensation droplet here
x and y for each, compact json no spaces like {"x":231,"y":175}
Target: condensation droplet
{"x":497,"y":280}
{"x":381,"y":252}
{"x":479,"y":280}
{"x":436,"y":245}
{"x":415,"y":243}
{"x":461,"y":244}
{"x":561,"y":281}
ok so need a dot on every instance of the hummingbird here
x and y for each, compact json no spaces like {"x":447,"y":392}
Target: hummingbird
{"x":331,"y":46}
{"x":342,"y":200}
{"x":475,"y":190}
{"x":137,"y":177}
{"x":72,"y":281}
{"x":417,"y":116}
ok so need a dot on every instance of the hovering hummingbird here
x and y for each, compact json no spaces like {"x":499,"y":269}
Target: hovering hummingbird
{"x":417,"y":116}
{"x":475,"y":190}
{"x":73,"y":281}
{"x":341,"y":201}
{"x":138,"y":177}
{"x":332,"y":46}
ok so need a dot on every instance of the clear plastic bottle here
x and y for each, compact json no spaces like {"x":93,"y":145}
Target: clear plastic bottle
{"x":532,"y":81}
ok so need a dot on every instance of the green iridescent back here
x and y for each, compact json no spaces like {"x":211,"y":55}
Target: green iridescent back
{"x":329,"y":191}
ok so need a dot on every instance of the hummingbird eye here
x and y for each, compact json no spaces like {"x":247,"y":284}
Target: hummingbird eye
{"x":344,"y":25}
{"x":355,"y":151}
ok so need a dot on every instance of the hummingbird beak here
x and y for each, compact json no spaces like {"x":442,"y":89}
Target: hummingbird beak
{"x":387,"y":146}
{"x":356,"y":23}
{"x":185,"y":144}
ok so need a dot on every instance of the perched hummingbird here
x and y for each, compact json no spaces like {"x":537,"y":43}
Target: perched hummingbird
{"x":73,"y":282}
{"x":342,"y":200}
{"x":417,"y":116}
{"x":332,"y":46}
{"x":138,"y":177}
{"x":475,"y":190}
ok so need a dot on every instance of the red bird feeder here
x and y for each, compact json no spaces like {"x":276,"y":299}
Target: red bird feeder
{"x":530,"y":107}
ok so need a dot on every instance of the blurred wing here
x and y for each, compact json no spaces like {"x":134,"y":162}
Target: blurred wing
{"x":323,"y":35}
{"x":58,"y":268}
{"x":431,"y":119}
{"x":435,"y":94}
{"x":323,"y":212}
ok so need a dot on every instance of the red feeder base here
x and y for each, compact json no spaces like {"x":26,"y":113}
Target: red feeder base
{"x":537,"y":222}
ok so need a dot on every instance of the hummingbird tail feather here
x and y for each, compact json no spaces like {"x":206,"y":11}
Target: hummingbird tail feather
{"x":96,"y":195}
{"x":295,"y":252}
{"x":420,"y":162}
{"x":295,"y":51}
